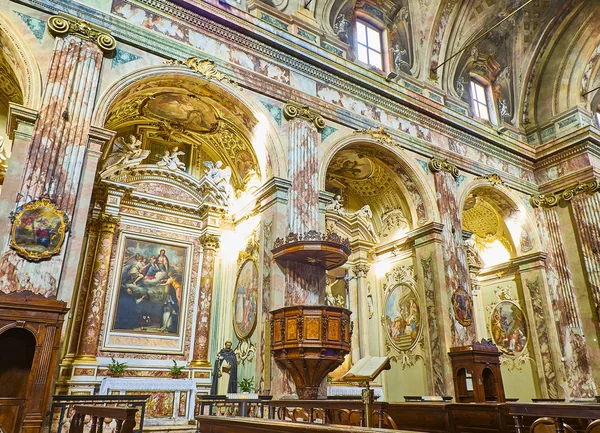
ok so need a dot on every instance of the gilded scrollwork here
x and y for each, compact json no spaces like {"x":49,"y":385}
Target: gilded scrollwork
{"x":62,"y":25}
{"x":204,"y":67}
{"x":494,"y":179}
{"x":439,"y":165}
{"x":293,"y":109}
{"x":377,"y":134}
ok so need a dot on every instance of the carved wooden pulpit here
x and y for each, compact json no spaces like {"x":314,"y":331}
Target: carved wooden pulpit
{"x":476,"y":373}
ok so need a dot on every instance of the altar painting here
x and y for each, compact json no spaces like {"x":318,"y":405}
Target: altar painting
{"x":245,"y":300}
{"x":152,"y":288}
{"x":402,"y":317}
{"x":509,"y":329}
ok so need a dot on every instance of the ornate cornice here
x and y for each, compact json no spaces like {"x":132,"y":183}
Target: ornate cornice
{"x":377,"y":134}
{"x":293,"y":109}
{"x":494,"y":179}
{"x":209,"y":241}
{"x":549,"y":200}
{"x":62,"y":25}
{"x":439,"y":165}
{"x":204,"y":67}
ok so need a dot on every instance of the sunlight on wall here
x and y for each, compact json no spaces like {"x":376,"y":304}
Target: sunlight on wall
{"x":494,"y":253}
{"x":382,"y":268}
{"x":234,"y":241}
{"x":259,"y":141}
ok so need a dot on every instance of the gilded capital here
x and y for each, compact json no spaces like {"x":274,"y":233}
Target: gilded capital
{"x":293,"y":109}
{"x":361,"y":270}
{"x":62,"y":25}
{"x":108,"y":223}
{"x":581,"y":187}
{"x":543,"y":200}
{"x":209,"y":241}
{"x":439,"y":165}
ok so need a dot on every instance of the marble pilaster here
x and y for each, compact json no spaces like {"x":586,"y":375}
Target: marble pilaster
{"x":580,"y":382}
{"x":455,"y":260}
{"x":361,"y":319}
{"x":96,"y":299}
{"x":586,"y":213}
{"x":210,"y":244}
{"x":58,"y":145}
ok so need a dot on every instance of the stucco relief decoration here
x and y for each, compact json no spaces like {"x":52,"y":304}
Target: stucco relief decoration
{"x":126,"y":153}
{"x":38,"y":229}
{"x":62,"y":25}
{"x":462,"y":305}
{"x":377,"y":134}
{"x":508,"y":327}
{"x":402,"y":315}
{"x":204,"y":67}
{"x":170,"y":160}
{"x":220,"y":176}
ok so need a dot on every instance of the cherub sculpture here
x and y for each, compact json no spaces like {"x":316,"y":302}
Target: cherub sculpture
{"x":171,"y":161}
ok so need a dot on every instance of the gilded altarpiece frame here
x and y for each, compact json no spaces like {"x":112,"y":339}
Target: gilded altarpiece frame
{"x":148,"y":307}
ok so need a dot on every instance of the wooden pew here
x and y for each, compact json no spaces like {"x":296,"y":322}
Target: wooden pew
{"x":124,"y":417}
{"x":217,"y":424}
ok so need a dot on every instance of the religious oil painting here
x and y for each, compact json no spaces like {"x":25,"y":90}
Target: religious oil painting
{"x":38,"y":230}
{"x":350,"y":165}
{"x":245,"y":300}
{"x":509,"y":329}
{"x":152,"y":287}
{"x":463,"y":307}
{"x":402,"y":317}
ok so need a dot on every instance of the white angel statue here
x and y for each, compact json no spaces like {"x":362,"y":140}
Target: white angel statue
{"x":127,"y":152}
{"x":366,"y":215}
{"x":171,"y":160}
{"x":221,"y":177}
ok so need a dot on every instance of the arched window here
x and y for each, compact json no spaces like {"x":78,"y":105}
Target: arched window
{"x":369,"y":44}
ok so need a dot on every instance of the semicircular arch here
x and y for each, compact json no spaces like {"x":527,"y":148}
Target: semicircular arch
{"x":263,"y":137}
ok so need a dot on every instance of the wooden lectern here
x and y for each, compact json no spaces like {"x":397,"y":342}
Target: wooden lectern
{"x":476,"y":373}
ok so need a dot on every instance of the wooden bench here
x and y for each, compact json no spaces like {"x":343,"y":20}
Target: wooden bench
{"x":124,"y":418}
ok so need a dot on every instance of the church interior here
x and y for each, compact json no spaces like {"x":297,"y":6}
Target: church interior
{"x":272,"y":215}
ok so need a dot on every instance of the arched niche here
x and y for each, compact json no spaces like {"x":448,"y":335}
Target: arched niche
{"x":15,"y":369}
{"x":133,"y":105}
{"x":419,"y":201}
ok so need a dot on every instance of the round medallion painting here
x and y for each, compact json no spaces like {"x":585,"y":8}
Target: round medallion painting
{"x":402,"y":317}
{"x":245,"y":300}
{"x":509,"y":329}
{"x":463,"y":307}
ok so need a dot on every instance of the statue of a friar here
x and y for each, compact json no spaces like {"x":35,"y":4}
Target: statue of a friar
{"x":224,"y":379}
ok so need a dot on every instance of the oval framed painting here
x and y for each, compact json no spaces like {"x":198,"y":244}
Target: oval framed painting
{"x":463,"y":307}
{"x":245,"y":300}
{"x":509,"y":328}
{"x":402,"y":317}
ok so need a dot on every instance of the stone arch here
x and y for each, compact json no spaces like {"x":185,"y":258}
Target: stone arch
{"x":264,"y":138}
{"x":516,"y":215}
{"x":421,"y":199}
{"x":23,"y":63}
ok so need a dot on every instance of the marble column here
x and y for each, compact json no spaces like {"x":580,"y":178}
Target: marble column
{"x":455,"y":260}
{"x":210,"y":244}
{"x":586,"y":213}
{"x":59,"y":142}
{"x":305,"y":284}
{"x":361,"y":317}
{"x":92,"y":232}
{"x":96,"y":299}
{"x":580,"y":382}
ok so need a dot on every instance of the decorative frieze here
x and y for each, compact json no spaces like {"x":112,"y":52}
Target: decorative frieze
{"x":549,"y":200}
{"x":62,"y":25}
{"x":292,"y":110}
{"x":439,"y":165}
